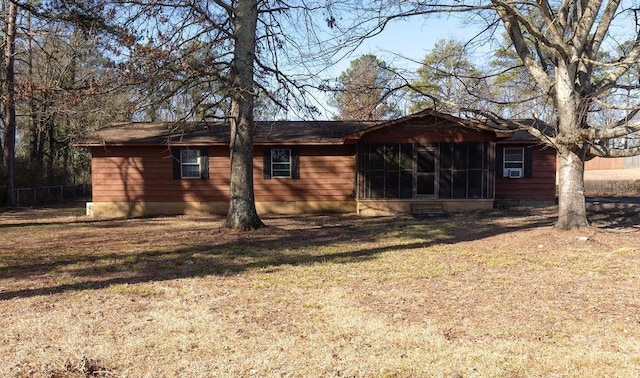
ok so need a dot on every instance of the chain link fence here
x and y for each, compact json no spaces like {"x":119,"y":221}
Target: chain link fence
{"x":52,"y":194}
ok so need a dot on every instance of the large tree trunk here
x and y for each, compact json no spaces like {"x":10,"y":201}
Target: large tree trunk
{"x":572,"y":207}
{"x":242,"y":208}
{"x":572,"y":212}
{"x":9,"y":101}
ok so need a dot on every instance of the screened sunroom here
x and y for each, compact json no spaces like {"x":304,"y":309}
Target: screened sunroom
{"x":401,"y":175}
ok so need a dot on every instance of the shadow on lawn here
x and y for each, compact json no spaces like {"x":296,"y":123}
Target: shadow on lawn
{"x":614,"y":212}
{"x":300,"y":240}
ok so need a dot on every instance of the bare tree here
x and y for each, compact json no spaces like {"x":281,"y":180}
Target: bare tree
{"x":242,"y":210}
{"x":568,"y":49}
{"x":66,"y":89}
{"x":37,"y":43}
{"x":10,"y":12}
{"x":237,"y":50}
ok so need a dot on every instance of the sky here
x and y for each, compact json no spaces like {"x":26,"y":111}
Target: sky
{"x":404,"y":43}
{"x":412,"y":39}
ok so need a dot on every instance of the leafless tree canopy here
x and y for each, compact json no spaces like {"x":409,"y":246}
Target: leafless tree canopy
{"x":570,"y":65}
{"x":579,"y":62}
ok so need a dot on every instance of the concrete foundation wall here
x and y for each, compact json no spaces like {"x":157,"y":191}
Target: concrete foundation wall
{"x":363,"y":207}
{"x":139,"y":209}
{"x":426,"y":207}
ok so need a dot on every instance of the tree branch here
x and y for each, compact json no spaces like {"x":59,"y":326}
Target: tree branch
{"x":511,"y":23}
{"x":603,"y":26}
{"x":609,"y":80}
{"x":584,"y":25}
{"x":617,"y":129}
{"x":604,"y":151}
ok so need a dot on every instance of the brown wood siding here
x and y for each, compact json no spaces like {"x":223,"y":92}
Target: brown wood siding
{"x":540,"y":187}
{"x":145,"y":174}
{"x":130,"y":174}
{"x":420,"y":133}
{"x":327,"y":173}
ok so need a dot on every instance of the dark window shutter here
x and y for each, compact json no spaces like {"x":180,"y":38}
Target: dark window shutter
{"x":499,"y":161}
{"x":266,"y":162}
{"x":528,"y":162}
{"x":295,"y":164}
{"x":204,"y":163}
{"x":175,"y":158}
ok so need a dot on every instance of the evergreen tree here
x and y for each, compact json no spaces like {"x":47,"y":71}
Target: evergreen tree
{"x":447,"y":80}
{"x":364,"y":91}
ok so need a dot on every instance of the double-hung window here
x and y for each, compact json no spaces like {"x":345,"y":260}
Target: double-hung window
{"x":190,"y":163}
{"x":513,"y":162}
{"x":281,"y":163}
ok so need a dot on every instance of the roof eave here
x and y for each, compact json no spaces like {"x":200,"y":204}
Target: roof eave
{"x":202,"y":143}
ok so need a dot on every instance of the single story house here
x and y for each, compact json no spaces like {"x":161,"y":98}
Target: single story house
{"x":425,"y":162}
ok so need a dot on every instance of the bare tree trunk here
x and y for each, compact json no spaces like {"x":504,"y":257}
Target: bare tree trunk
{"x":35,"y":147}
{"x":242,"y":208}
{"x":572,"y":212}
{"x":9,"y":101}
{"x":51,"y":139}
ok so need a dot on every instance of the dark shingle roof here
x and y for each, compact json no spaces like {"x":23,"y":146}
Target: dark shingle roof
{"x":516,"y":129}
{"x":432,"y":117}
{"x":292,"y":132}
{"x":281,"y":132}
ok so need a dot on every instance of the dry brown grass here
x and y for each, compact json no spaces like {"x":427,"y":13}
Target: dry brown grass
{"x":612,"y":174}
{"x":493,"y":294}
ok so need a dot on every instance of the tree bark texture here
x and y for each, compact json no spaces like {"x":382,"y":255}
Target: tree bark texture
{"x":572,"y":212}
{"x":242,"y":213}
{"x":9,"y":101}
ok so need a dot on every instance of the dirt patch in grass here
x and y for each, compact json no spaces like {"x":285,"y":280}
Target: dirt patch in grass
{"x":497,"y":293}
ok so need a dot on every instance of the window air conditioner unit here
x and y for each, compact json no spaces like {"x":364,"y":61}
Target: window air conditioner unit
{"x":513,"y":172}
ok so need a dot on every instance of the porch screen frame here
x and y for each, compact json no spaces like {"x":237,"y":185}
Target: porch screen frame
{"x":383,"y":170}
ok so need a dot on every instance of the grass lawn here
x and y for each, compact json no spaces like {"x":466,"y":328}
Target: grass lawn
{"x":491,"y":294}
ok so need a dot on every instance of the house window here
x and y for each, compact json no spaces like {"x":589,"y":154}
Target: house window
{"x":513,"y":162}
{"x":190,"y":163}
{"x":280,"y":163}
